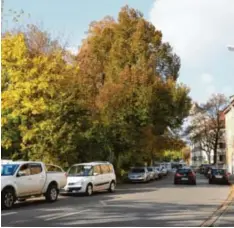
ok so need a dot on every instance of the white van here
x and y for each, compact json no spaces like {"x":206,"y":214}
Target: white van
{"x":90,"y":177}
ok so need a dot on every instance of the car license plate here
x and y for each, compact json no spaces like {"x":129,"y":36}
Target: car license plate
{"x":184,"y":178}
{"x":218,"y":176}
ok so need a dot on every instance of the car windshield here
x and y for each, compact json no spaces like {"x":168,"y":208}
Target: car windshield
{"x":150,"y":169}
{"x":183,"y":171}
{"x":138,"y":170}
{"x":218,"y":171}
{"x":9,"y":169}
{"x":81,"y":170}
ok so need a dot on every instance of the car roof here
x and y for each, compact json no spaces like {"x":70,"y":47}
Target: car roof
{"x":93,"y":163}
{"x":21,"y":162}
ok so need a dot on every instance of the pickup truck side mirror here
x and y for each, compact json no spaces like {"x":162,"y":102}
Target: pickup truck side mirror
{"x":19,"y":174}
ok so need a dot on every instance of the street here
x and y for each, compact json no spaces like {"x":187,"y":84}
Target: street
{"x":159,"y":203}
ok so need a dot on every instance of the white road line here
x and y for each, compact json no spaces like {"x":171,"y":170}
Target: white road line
{"x":103,"y":202}
{"x":66,"y":215}
{"x":9,"y":213}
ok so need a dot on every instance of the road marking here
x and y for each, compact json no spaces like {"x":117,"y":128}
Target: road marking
{"x":103,"y":202}
{"x":66,"y":215}
{"x":9,"y":213}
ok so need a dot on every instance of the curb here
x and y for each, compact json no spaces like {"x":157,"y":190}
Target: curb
{"x":220,"y":210}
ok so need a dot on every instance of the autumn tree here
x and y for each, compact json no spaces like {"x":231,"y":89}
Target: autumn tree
{"x":41,"y":100}
{"x":133,"y":78}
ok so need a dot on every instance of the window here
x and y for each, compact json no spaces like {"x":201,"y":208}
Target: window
{"x":9,"y":169}
{"x":72,"y":170}
{"x":24,"y":170}
{"x":221,"y":158}
{"x":138,"y":170}
{"x":222,"y":145}
{"x":111,"y":168}
{"x":80,"y":170}
{"x":97,"y":169}
{"x":105,"y":169}
{"x":35,"y":168}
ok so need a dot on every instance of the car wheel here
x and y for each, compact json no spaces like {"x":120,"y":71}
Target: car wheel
{"x":89,"y":190}
{"x":194,"y":183}
{"x":175,"y":182}
{"x":8,"y":198}
{"x":112,"y":186}
{"x":210,"y":181}
{"x":52,"y":193}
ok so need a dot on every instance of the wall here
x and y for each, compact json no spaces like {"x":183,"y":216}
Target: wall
{"x":229,"y":118}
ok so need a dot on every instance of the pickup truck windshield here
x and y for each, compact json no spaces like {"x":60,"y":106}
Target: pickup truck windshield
{"x":80,"y":170}
{"x":9,"y":169}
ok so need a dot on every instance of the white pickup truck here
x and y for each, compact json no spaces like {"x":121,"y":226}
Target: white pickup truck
{"x":25,"y":179}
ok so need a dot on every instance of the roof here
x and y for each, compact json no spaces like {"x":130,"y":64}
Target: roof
{"x":93,"y":163}
{"x":21,"y":162}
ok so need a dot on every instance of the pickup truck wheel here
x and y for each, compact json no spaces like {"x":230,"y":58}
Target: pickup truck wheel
{"x":52,"y":193}
{"x":89,"y":190}
{"x":8,"y":198}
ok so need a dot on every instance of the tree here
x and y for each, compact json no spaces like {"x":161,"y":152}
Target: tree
{"x":114,"y":101}
{"x":42,"y":100}
{"x":133,"y":78}
{"x":186,"y":152}
{"x":207,"y":124}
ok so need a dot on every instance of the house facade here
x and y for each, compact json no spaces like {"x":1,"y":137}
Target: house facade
{"x":229,"y":119}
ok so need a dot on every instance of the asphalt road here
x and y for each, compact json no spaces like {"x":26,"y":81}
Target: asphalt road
{"x":159,"y":203}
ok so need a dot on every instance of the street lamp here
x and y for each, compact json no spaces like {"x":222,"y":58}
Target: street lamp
{"x":230,"y":47}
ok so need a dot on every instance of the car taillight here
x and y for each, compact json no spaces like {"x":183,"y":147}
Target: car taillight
{"x":178,"y":175}
{"x":191,"y":174}
{"x":66,"y":175}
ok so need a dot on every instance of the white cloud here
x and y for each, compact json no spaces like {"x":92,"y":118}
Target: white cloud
{"x":197,"y":29}
{"x":207,"y":78}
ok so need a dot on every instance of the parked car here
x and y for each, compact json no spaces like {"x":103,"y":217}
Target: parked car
{"x":160,"y":174}
{"x":25,"y":179}
{"x":164,"y":171}
{"x":90,"y":177}
{"x":139,"y":174}
{"x":152,"y":173}
{"x":185,"y":175}
{"x":219,"y":176}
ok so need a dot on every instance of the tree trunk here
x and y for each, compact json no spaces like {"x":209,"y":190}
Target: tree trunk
{"x":208,"y":158}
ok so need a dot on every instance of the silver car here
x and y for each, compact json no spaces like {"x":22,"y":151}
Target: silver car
{"x":139,"y":174}
{"x":153,"y":173}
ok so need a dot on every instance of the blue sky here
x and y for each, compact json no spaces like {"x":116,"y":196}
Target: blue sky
{"x":199,"y":32}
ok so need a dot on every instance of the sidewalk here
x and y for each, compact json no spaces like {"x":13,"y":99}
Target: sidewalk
{"x":227,"y":218}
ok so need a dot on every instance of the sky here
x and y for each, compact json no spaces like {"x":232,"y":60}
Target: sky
{"x":198,"y":30}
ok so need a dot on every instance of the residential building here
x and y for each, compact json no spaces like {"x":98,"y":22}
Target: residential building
{"x":229,"y":119}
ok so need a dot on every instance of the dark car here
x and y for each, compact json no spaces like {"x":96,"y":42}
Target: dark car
{"x":185,"y":175}
{"x":219,"y":176}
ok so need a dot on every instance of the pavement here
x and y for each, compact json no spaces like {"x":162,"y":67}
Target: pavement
{"x":159,"y":203}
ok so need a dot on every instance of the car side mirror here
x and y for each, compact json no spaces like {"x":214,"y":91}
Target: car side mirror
{"x":19,"y":174}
